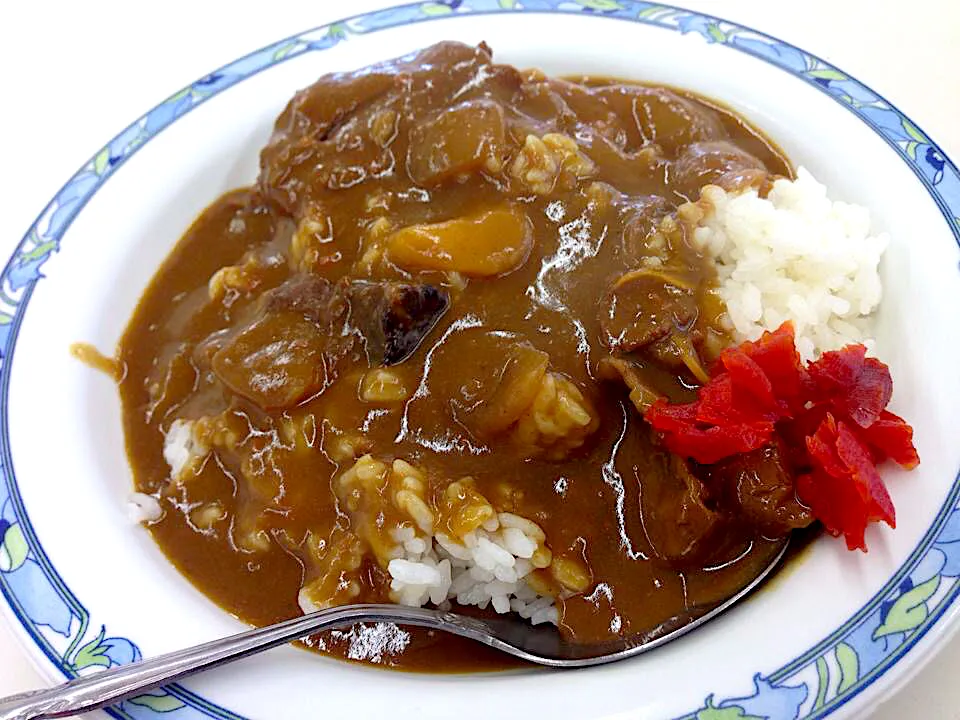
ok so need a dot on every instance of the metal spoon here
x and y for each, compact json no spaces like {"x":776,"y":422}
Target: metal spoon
{"x":510,"y":634}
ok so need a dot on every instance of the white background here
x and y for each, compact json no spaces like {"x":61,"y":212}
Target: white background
{"x":73,"y":74}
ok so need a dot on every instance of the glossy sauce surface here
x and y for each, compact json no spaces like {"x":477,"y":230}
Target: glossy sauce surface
{"x":544,"y":266}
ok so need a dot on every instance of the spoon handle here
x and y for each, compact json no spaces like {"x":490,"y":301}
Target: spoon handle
{"x":110,"y":686}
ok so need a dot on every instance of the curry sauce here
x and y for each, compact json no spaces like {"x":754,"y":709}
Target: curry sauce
{"x":451,"y":274}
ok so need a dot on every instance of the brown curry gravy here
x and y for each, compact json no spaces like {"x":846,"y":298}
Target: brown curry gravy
{"x":593,"y":504}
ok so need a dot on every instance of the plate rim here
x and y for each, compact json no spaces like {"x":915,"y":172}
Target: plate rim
{"x":23,"y":270}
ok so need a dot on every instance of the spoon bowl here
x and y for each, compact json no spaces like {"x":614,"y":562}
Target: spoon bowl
{"x":541,"y":645}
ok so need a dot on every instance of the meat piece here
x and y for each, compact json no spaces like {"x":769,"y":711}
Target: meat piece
{"x":320,"y":108}
{"x":394,"y":317}
{"x":642,"y":394}
{"x":676,"y":518}
{"x":759,"y":488}
{"x":646,"y":305}
{"x":718,"y":162}
{"x":463,"y":401}
{"x":466,"y":138}
{"x":316,"y":299}
{"x":289,"y":350}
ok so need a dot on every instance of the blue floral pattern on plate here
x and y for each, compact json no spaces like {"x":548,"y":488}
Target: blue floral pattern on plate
{"x":826,"y":676}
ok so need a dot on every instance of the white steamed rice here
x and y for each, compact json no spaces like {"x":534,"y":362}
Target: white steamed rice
{"x":181,"y":448}
{"x":487,"y":570}
{"x":143,"y":508}
{"x":794,"y":255}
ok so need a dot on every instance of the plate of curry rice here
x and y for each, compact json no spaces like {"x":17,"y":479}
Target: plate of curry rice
{"x":420,"y":307}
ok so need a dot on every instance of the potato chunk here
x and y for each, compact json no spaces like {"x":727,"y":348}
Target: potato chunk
{"x":538,"y":409}
{"x":490,"y":243}
{"x":273,"y":362}
{"x":289,"y":350}
{"x":496,"y":387}
{"x":466,"y":138}
{"x":512,"y":392}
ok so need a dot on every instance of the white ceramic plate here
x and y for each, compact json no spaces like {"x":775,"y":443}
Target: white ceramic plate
{"x":832,"y":633}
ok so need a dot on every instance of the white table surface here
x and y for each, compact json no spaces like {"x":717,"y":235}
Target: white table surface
{"x":72,"y":74}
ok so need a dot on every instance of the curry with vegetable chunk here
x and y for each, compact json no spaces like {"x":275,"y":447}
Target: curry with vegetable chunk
{"x":410,"y":363}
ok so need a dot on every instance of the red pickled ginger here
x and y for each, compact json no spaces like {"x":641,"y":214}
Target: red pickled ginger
{"x":832,"y":413}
